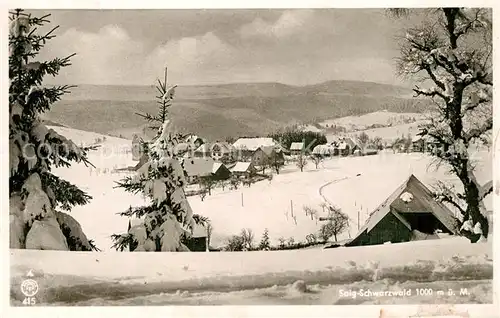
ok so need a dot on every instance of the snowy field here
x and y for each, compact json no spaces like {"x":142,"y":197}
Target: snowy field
{"x":388,"y":134}
{"x":380,"y":118}
{"x":324,"y":277}
{"x":271,"y":205}
{"x":309,"y":276}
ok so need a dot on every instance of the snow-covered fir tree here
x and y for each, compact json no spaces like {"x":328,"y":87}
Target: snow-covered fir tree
{"x":35,"y":193}
{"x":264,"y":242}
{"x":168,"y":219}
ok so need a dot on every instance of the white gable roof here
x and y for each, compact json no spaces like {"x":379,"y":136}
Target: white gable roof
{"x":198,"y":166}
{"x":241,"y":167}
{"x":216,"y":167}
{"x":297,"y":146}
{"x":324,"y":149}
{"x":442,"y":213}
{"x":253,"y":144}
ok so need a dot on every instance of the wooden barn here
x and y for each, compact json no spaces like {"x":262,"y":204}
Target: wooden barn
{"x":410,"y":213}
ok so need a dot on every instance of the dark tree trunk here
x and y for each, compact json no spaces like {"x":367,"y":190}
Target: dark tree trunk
{"x":473,"y":211}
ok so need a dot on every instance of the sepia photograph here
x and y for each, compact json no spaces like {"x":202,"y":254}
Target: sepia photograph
{"x":242,"y":156}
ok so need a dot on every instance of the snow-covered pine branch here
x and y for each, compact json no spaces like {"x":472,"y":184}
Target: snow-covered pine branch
{"x":65,"y":194}
{"x":34,"y":192}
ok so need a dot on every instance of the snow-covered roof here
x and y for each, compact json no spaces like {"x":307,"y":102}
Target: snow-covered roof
{"x":253,"y":144}
{"x":209,"y":147}
{"x":198,"y":166}
{"x":342,"y":145}
{"x":216,"y":167}
{"x":323,"y":149}
{"x":241,"y":167}
{"x":426,"y":200}
{"x":297,"y":146}
{"x":268,"y":150}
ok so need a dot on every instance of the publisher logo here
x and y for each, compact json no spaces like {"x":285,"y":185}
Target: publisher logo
{"x":29,"y":287}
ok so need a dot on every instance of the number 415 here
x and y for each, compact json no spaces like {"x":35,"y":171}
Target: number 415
{"x":29,"y":301}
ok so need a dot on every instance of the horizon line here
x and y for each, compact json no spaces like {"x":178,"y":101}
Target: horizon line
{"x":240,"y":83}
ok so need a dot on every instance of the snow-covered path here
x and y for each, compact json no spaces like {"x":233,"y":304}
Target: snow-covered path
{"x":327,"y":201}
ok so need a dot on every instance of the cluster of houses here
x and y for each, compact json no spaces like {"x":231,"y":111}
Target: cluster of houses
{"x":344,"y":146}
{"x":426,"y":144}
{"x":247,"y":156}
{"x":221,"y":160}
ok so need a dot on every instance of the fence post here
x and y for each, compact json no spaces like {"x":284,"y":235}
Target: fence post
{"x":358,"y":220}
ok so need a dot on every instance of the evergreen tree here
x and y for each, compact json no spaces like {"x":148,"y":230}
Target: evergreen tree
{"x":168,"y":219}
{"x":264,"y":242}
{"x":34,"y":192}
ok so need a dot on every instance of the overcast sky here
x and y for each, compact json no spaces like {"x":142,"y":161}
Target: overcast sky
{"x":295,"y":46}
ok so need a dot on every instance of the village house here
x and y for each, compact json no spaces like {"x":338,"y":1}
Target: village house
{"x":426,"y":144}
{"x":196,"y":141}
{"x":418,"y":144}
{"x":343,"y":148}
{"x":327,"y":150}
{"x":346,"y":146}
{"x":266,"y":156}
{"x":410,"y":213}
{"x":196,"y":168}
{"x":296,"y":148}
{"x":245,"y":147}
{"x":353,"y":145}
{"x":369,"y":150}
{"x":244,"y":170}
{"x":220,"y":171}
{"x":219,"y":151}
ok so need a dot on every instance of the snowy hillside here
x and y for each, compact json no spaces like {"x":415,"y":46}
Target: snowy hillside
{"x":388,"y":134}
{"x":383,"y":118}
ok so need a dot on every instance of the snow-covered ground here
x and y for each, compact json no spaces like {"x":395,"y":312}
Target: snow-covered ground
{"x":388,"y":134}
{"x":312,"y":276}
{"x":379,"y":118}
{"x":264,"y":204}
